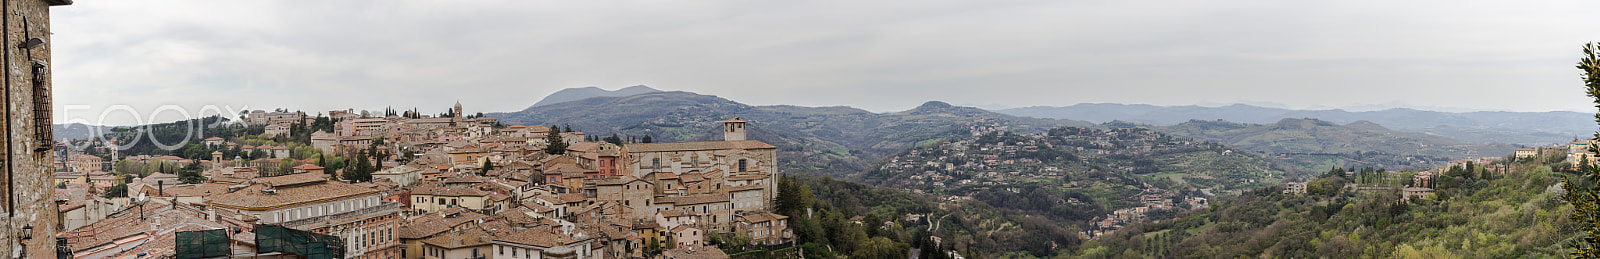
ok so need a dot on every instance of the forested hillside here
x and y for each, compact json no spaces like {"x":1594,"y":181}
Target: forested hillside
{"x":1478,"y":213}
{"x":838,"y":218}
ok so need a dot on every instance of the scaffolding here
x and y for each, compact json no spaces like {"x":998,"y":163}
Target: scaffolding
{"x":274,"y":238}
{"x":202,"y":244}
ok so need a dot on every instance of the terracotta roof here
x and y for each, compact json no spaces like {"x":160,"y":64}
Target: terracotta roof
{"x":308,"y":167}
{"x":692,"y":178}
{"x":682,"y":228}
{"x":541,"y":237}
{"x":565,"y":168}
{"x":583,"y":146}
{"x":695,"y":252}
{"x":458,"y":216}
{"x":741,"y":188}
{"x":703,"y":145}
{"x":213,"y":138}
{"x":422,"y":227}
{"x":196,"y":190}
{"x":536,"y":207}
{"x":572,"y":197}
{"x":252,"y":197}
{"x":156,"y":213}
{"x":468,"y":179}
{"x":470,"y":237}
{"x":453,"y":191}
{"x":615,"y":181}
{"x":761,"y":217}
{"x":293,"y":179}
{"x":518,"y":215}
{"x":467,"y":149}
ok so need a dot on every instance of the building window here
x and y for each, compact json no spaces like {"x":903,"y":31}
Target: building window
{"x":655,"y":163}
{"x":743,"y":165}
{"x":41,"y":107}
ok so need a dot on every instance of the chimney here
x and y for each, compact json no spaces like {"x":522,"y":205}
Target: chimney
{"x":733,"y":129}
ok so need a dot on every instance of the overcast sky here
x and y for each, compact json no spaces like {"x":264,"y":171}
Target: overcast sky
{"x":877,"y":55}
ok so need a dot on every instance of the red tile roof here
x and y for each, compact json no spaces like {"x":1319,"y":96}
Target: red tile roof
{"x":252,"y":197}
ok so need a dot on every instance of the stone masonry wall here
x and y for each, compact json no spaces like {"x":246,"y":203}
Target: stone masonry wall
{"x":30,"y":187}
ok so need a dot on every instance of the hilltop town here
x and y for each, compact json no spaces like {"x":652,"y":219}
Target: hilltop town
{"x":407,"y":185}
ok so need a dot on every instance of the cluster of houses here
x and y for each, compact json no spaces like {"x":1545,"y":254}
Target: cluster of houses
{"x":1421,"y":182}
{"x":434,"y":197}
{"x":1578,"y":152}
{"x":1155,"y":199}
{"x":971,"y":162}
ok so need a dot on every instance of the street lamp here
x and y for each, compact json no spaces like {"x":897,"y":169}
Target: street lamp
{"x":31,"y":43}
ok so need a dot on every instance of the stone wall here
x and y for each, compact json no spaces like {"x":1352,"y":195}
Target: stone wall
{"x":27,"y":181}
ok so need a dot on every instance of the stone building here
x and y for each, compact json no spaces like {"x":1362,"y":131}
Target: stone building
{"x":708,"y":166}
{"x":29,"y":211}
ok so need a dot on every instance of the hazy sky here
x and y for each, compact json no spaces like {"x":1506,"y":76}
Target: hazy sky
{"x":876,"y":55}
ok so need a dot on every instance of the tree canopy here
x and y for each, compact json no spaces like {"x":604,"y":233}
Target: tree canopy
{"x":1586,"y":202}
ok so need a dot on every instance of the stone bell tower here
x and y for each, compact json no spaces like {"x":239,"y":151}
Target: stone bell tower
{"x":733,"y":129}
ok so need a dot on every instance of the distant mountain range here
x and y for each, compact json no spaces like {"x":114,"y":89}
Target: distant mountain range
{"x":813,"y":139}
{"x":77,"y":131}
{"x":843,"y":140}
{"x":574,"y":94}
{"x":1314,"y":145}
{"x":1531,"y":128}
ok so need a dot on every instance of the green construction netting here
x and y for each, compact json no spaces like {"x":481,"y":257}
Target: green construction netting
{"x":202,"y":244}
{"x":272,"y":238}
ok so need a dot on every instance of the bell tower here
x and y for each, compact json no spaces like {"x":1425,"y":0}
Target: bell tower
{"x":733,"y":129}
{"x":457,"y":110}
